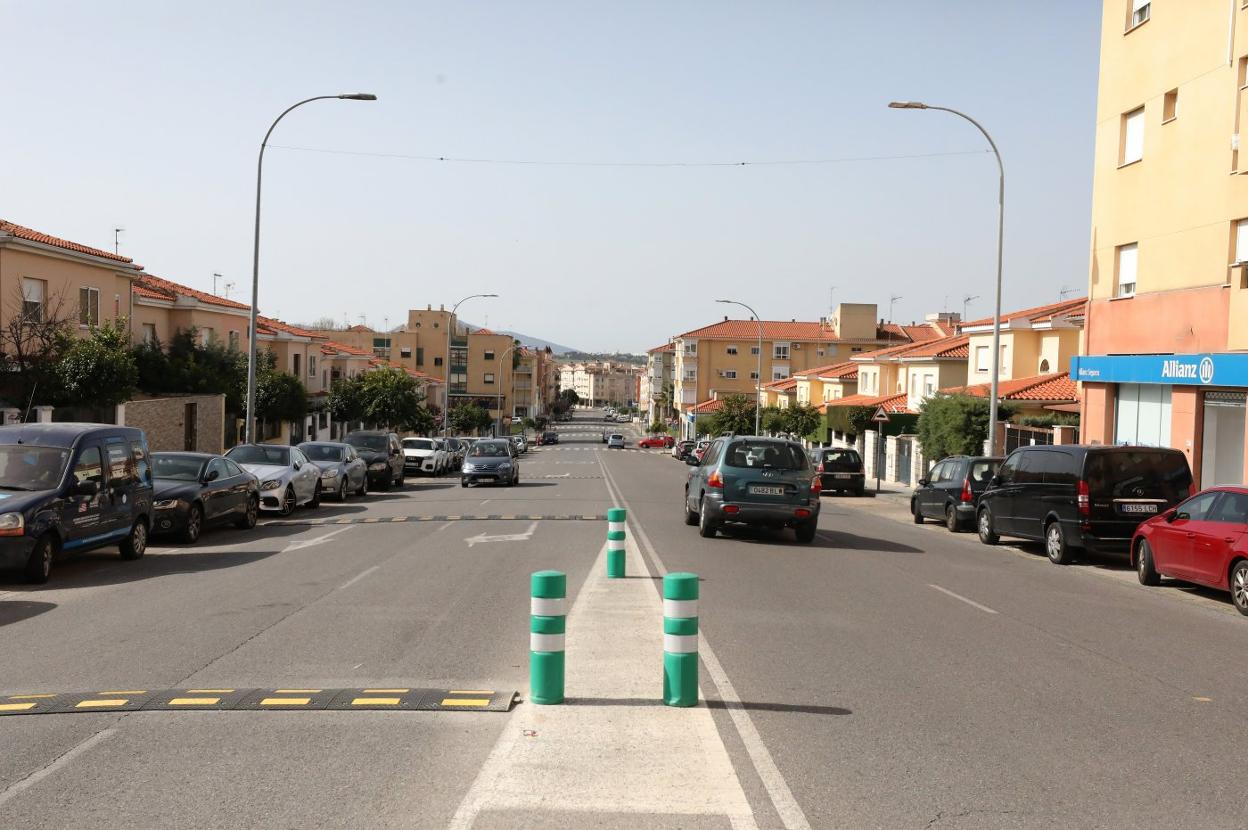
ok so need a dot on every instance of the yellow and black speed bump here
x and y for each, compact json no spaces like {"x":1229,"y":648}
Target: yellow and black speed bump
{"x":372,"y":520}
{"x":283,"y":699}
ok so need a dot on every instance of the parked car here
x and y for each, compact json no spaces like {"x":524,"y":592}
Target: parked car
{"x":193,"y":490}
{"x":656,"y":441}
{"x":455,"y":449}
{"x":287,"y":478}
{"x":839,"y":469}
{"x":681,"y":449}
{"x":493,"y":460}
{"x":615,"y":440}
{"x":1202,"y":540}
{"x":69,"y":488}
{"x":700,"y":448}
{"x":606,"y":433}
{"x":1077,"y":498}
{"x":521,"y":443}
{"x":950,"y":492}
{"x":753,"y":481}
{"x":342,"y":470}
{"x":622,"y":419}
{"x":422,"y":455}
{"x":547,"y":438}
{"x":383,"y":454}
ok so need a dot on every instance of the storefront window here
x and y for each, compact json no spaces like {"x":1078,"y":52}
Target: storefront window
{"x":1143,"y":415}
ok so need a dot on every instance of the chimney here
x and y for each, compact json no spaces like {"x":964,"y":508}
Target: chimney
{"x":429,"y":307}
{"x":725,"y":318}
{"x":442,"y":307}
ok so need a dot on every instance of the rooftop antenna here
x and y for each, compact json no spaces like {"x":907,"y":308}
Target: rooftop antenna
{"x":117,"y":240}
{"x":229,"y":286}
{"x":891,"y":300}
{"x":385,"y":322}
{"x":966,"y":301}
{"x":1065,"y":292}
{"x":360,"y":317}
{"x":215,"y":277}
{"x":831,"y":303}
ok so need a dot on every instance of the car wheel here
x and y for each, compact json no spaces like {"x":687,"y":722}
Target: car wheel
{"x":951,"y":518}
{"x":1145,"y":569}
{"x":316,"y":497}
{"x":463,"y":482}
{"x":805,"y":532}
{"x":194,"y":524}
{"x":983,"y":525}
{"x":1239,"y":586}
{"x":135,"y":544}
{"x":363,"y":489}
{"x":691,"y":516}
{"x":705,"y":528}
{"x":342,"y":489}
{"x":39,"y":564}
{"x":248,"y":520}
{"x":914,"y":512}
{"x":288,"y":502}
{"x":1055,"y":544}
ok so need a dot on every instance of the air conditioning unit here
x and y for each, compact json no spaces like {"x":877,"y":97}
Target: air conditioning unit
{"x":797,"y":347}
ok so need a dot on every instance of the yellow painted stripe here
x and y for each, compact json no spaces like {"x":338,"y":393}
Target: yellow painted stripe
{"x":370,"y":520}
{"x":90,"y":703}
{"x":398,"y":518}
{"x":194,"y":701}
{"x":383,"y":691}
{"x":452,"y":518}
{"x":375,"y":701}
{"x":345,"y":521}
{"x":471,"y":692}
{"x":296,"y":691}
{"x":466,"y":701}
{"x":209,"y":691}
{"x":507,"y":518}
{"x":285,"y":701}
{"x":16,"y":707}
{"x":28,"y":697}
{"x":128,"y":692}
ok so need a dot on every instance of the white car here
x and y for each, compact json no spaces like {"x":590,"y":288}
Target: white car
{"x":424,"y":455}
{"x":615,"y":440}
{"x":287,"y":478}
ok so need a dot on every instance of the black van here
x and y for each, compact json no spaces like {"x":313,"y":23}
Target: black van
{"x":68,"y":488}
{"x":1081,"y":497}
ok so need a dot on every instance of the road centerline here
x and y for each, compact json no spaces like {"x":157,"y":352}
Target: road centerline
{"x":961,"y":598}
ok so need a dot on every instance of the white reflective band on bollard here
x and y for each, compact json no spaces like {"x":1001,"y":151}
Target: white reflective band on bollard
{"x":680,"y":609}
{"x":540,"y":607}
{"x":615,"y":544}
{"x":679,"y":643}
{"x":550,"y":642}
{"x":614,"y":526}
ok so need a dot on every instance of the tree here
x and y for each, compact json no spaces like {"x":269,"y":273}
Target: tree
{"x":540,"y":422}
{"x":735,"y":415}
{"x":279,"y":396}
{"x":393,"y":398}
{"x":346,"y":399}
{"x":801,"y":420}
{"x":31,"y":344}
{"x":658,"y":426}
{"x":99,"y":370}
{"x":325,"y":324}
{"x":570,"y":396}
{"x":955,"y":425}
{"x":527,"y":424}
{"x":774,"y":420}
{"x":465,"y":418}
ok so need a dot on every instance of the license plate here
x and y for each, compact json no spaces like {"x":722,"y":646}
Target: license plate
{"x":1138,"y":508}
{"x":487,"y":478}
{"x":843,"y":475}
{"x":766,"y":490}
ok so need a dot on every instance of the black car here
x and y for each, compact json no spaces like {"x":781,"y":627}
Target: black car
{"x":68,"y":488}
{"x":548,"y":438}
{"x":950,"y":492}
{"x":839,"y":469}
{"x":682,"y":449}
{"x":193,"y":490}
{"x":1081,"y":497}
{"x":493,"y":460}
{"x":383,"y":453}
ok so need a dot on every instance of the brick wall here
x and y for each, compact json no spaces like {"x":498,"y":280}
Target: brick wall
{"x":163,"y":419}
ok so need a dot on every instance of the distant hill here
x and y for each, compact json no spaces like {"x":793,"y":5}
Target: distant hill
{"x":614,"y":357}
{"x":527,"y":340}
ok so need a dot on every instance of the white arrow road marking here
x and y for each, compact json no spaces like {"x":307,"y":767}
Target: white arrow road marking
{"x":503,"y":537}
{"x":316,"y":540}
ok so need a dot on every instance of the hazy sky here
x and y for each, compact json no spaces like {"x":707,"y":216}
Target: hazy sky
{"x":148,"y":116}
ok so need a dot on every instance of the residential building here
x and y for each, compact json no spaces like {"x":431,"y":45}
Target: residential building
{"x":1041,"y":395}
{"x":603,"y":383}
{"x":817,"y":386}
{"x":1166,"y":353}
{"x":657,"y":387}
{"x":1034,"y":341}
{"x":163,"y":308}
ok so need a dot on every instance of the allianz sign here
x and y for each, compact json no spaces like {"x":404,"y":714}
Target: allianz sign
{"x":1185,"y":369}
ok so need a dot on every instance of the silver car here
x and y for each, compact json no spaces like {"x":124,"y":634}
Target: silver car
{"x":615,"y":440}
{"x":287,"y":478}
{"x":342,"y":470}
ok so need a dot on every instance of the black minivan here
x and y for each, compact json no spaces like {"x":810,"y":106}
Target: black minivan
{"x":68,"y":488}
{"x":1081,"y":497}
{"x":950,"y":492}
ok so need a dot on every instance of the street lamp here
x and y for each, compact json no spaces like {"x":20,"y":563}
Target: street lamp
{"x":758,"y":391}
{"x":996,"y":317}
{"x":498,"y":379}
{"x":255,"y":258}
{"x":450,"y":327}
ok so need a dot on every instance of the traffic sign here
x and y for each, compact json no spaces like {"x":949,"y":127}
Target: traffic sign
{"x":881,"y":415}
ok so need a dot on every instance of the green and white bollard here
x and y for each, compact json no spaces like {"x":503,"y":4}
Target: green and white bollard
{"x":615,"y":542}
{"x":680,"y":639}
{"x":547,"y":625}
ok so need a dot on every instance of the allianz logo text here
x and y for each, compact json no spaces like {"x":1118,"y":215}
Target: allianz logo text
{"x":1202,"y":370}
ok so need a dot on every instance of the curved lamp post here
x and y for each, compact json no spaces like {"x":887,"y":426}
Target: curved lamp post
{"x":255,"y":259}
{"x":450,"y":327}
{"x":758,"y":390}
{"x":996,"y":317}
{"x":498,"y":379}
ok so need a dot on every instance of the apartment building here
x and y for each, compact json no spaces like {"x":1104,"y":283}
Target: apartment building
{"x":657,"y":387}
{"x":1166,"y":352}
{"x":604,"y":383}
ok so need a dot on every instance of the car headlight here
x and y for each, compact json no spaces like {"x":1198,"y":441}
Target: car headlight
{"x":12,"y":524}
{"x":166,"y":504}
{"x":271,"y":484}
{"x":504,"y":466}
{"x":468,"y":468}
{"x":330,"y":473}
{"x":377,"y":465}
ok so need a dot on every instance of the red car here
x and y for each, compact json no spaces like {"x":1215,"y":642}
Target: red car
{"x":657,"y":441}
{"x":1202,"y":540}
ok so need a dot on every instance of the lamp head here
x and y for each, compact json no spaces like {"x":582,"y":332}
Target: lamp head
{"x":358,"y":96}
{"x":907,"y":105}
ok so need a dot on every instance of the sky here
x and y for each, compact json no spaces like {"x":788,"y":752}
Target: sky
{"x":149,"y":116}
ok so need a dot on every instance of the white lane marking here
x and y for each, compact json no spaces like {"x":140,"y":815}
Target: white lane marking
{"x":357,"y":577}
{"x":443,"y":527}
{"x":38,"y":775}
{"x":961,"y":598}
{"x":484,"y":502}
{"x":503,"y":537}
{"x":316,"y":540}
{"x":782,"y":798}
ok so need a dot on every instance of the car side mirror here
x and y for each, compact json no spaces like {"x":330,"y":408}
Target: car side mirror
{"x":923,"y":482}
{"x":211,"y":475}
{"x":692,"y":460}
{"x":86,"y":488}
{"x":1174,"y":516}
{"x":298,"y":465}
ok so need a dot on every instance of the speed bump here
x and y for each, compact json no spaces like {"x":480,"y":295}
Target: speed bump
{"x":284,"y":699}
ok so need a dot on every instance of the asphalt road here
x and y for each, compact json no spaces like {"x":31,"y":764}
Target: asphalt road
{"x":885,"y":676}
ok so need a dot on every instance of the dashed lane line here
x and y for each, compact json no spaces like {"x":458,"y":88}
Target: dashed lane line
{"x":961,"y":598}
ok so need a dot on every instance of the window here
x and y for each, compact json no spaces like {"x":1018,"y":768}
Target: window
{"x":295,"y":359}
{"x":1241,"y":242}
{"x":489,"y":377}
{"x":780,"y":351}
{"x":1128,"y":259}
{"x":1233,"y":507}
{"x":753,"y":375}
{"x":89,"y":466}
{"x":233,"y":341}
{"x":731,"y":374}
{"x":1170,"y":106}
{"x":1142,"y":415}
{"x":207,"y":336}
{"x":1198,"y":508}
{"x":420,"y":355}
{"x":149,"y":333}
{"x":732,"y":350}
{"x":754,"y":350}
{"x":34,"y":294}
{"x":437,"y":361}
{"x":139,"y":455}
{"x":1139,"y":13}
{"x":489,"y":354}
{"x":311,"y":365}
{"x":981,"y":359}
{"x":855,"y":348}
{"x":89,"y":306}
{"x":929,"y":386}
{"x":120,"y":463}
{"x":1132,"y":141}
{"x":405,"y":351}
{"x":779,"y":374}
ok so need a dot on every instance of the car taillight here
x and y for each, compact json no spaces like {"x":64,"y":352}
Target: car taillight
{"x":967,"y":497}
{"x":1191,"y":490}
{"x":715,"y":480}
{"x":819,"y":467}
{"x":1083,"y":499}
{"x":816,"y":485}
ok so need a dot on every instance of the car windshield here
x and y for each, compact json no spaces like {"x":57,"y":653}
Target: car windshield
{"x":260,"y":454}
{"x":29,"y":467}
{"x":377,"y":443}
{"x":759,"y":454}
{"x":841,"y":457}
{"x":417,"y":444}
{"x":322,"y":452}
{"x":177,"y":467}
{"x":488,"y":449}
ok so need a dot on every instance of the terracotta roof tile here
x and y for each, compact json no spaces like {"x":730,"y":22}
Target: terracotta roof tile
{"x":334,"y":347}
{"x":1040,"y":312}
{"x":274,"y":326}
{"x":782,"y":385}
{"x":945,"y":347}
{"x":158,"y":288}
{"x":772,"y":330}
{"x":666,"y":347}
{"x":891,"y":403}
{"x":707,"y":407}
{"x":843,"y":370}
{"x":30,"y":235}
{"x":1054,"y":387}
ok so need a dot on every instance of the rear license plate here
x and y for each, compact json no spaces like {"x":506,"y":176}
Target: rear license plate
{"x":766,"y":490}
{"x":843,"y":475}
{"x":1138,"y":508}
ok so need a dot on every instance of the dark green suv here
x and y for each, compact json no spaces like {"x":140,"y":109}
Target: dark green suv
{"x":749,"y":480}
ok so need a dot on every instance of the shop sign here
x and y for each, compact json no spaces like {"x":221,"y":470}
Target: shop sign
{"x":1168,"y":369}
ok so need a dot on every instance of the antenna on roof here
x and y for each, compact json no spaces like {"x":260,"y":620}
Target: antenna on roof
{"x":1065,"y":292}
{"x":215,"y":277}
{"x":229,"y":286}
{"x":967,"y":300}
{"x":117,"y":240}
{"x":891,"y":300}
{"x":831,"y":303}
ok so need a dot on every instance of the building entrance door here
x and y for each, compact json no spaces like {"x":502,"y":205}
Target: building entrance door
{"x":1222,"y":451}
